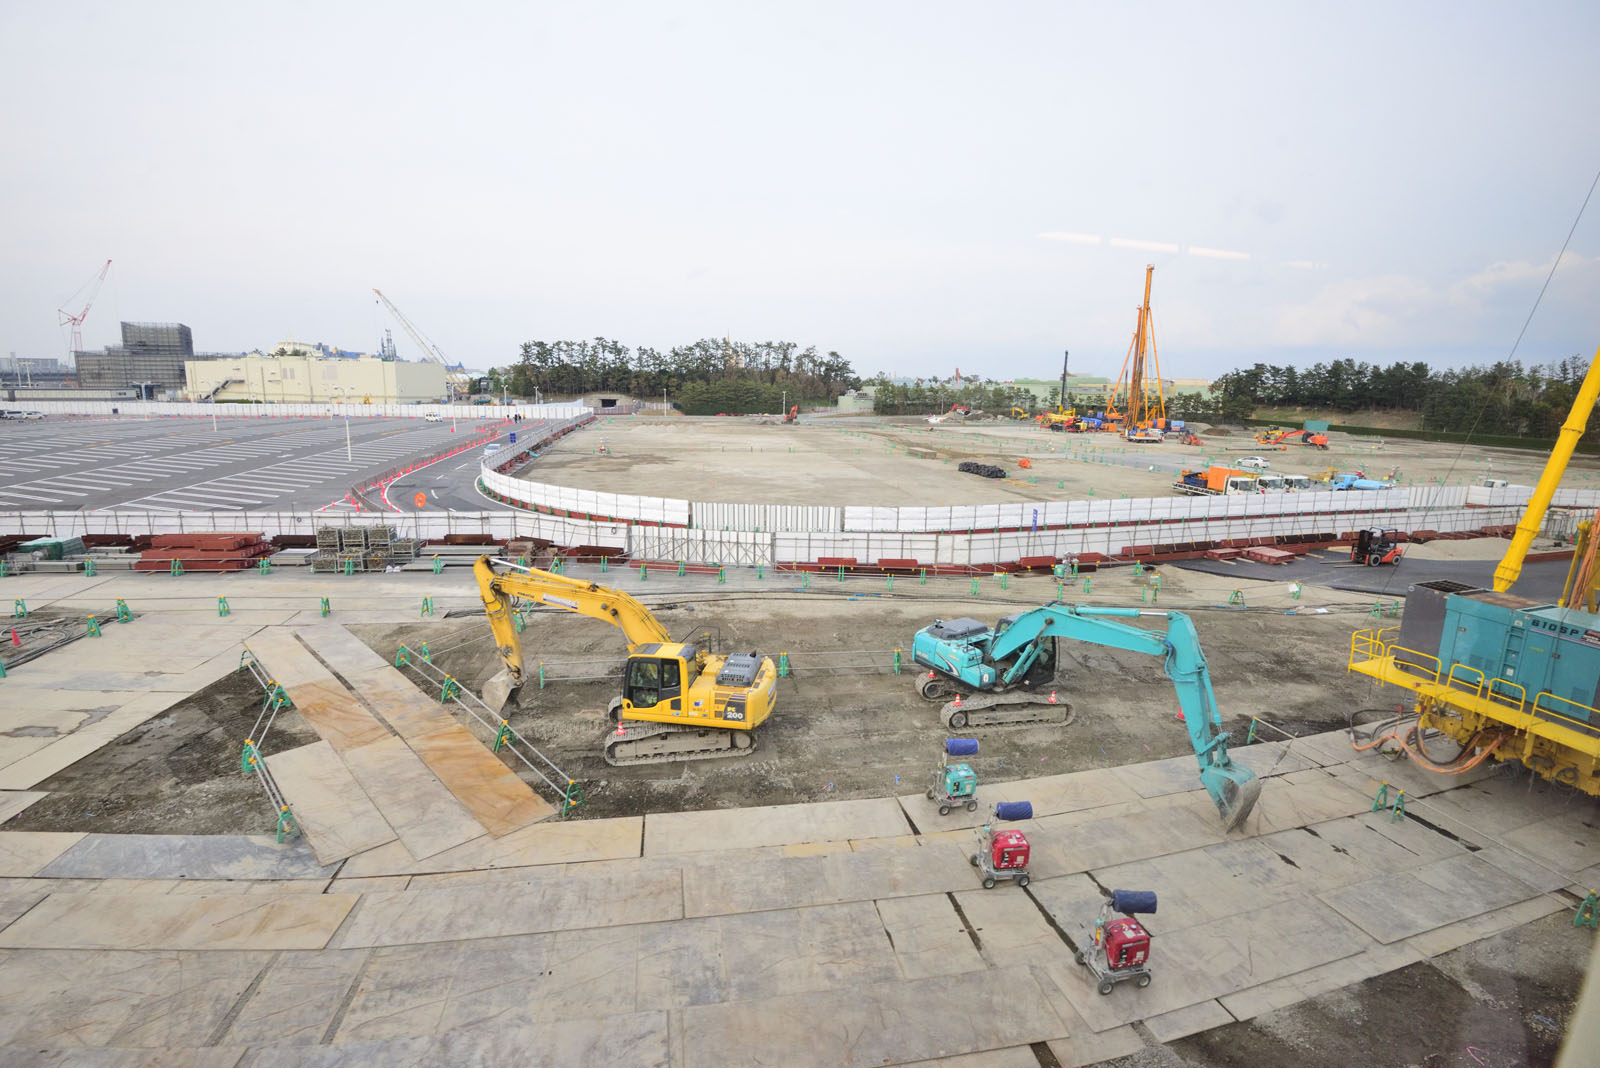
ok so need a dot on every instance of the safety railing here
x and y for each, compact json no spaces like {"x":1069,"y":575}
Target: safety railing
{"x":1512,"y":695}
{"x":506,"y":737}
{"x":1585,"y":719}
{"x":250,"y":759}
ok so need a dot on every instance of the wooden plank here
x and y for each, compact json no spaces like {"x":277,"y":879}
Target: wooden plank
{"x":427,"y":819}
{"x":479,"y":780}
{"x":332,"y":809}
{"x":333,"y":712}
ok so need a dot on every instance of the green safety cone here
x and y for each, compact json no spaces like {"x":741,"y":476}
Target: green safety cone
{"x":222,"y":606}
{"x":94,"y":627}
{"x":325,"y":607}
{"x":1236,"y":597}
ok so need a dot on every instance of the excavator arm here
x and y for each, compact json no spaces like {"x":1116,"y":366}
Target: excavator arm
{"x":1232,"y":787}
{"x":498,"y":588}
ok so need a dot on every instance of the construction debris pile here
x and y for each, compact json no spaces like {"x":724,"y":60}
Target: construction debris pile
{"x":986,"y":470}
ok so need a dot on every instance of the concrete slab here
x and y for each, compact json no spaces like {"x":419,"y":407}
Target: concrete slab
{"x":1302,"y":798}
{"x":1392,"y":907}
{"x":182,"y":856}
{"x":1077,"y":791}
{"x":24,"y":853}
{"x":488,"y":789}
{"x":888,"y":1023}
{"x":1455,"y":935}
{"x":1199,"y":963}
{"x":151,"y":1000}
{"x":15,"y":902}
{"x":1065,"y":846}
{"x":833,"y":821}
{"x":1567,"y":844}
{"x":159,"y":921}
{"x":1010,"y":928}
{"x":425,"y":816}
{"x":639,"y":1038}
{"x":334,"y":813}
{"x":1085,"y":1047}
{"x":166,"y":1057}
{"x":1189,"y":1020}
{"x":298,"y":997}
{"x":34,"y":768}
{"x":928,"y":937}
{"x":1010,"y":1057}
{"x":600,"y":900}
{"x":542,"y":843}
{"x":795,"y":951}
{"x":794,"y":882}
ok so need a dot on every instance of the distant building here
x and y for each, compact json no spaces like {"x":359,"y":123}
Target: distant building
{"x":151,"y":358}
{"x":301,"y":378}
{"x":1094,"y":390}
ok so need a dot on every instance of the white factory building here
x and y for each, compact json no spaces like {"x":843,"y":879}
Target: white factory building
{"x":301,"y":377}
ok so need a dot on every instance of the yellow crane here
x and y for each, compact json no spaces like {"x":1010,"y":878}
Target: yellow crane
{"x":1136,"y":400}
{"x":459,"y":381}
{"x":678,"y":701}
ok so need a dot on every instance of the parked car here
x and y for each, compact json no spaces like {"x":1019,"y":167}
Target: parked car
{"x":492,"y":448}
{"x":7,"y":414}
{"x":1255,"y":463}
{"x":33,"y":415}
{"x":433,"y":417}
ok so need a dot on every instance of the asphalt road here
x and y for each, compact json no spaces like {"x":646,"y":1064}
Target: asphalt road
{"x":1541,"y":580}
{"x":184,"y":465}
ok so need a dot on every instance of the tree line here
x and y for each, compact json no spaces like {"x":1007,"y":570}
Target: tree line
{"x":1505,"y":397}
{"x":703,"y":378}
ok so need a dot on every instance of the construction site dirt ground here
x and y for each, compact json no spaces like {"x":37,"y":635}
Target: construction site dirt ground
{"x":846,"y":726}
{"x":875,"y":461}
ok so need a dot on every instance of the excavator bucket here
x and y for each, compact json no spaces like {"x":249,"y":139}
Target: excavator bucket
{"x":498,"y":690}
{"x":1235,"y":791}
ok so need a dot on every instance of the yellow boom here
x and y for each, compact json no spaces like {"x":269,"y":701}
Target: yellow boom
{"x":1505,"y":575}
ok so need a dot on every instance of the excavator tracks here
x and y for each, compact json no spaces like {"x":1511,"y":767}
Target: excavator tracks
{"x":1004,"y":710}
{"x":640,"y":742}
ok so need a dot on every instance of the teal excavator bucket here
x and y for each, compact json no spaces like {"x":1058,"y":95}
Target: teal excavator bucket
{"x":1234,"y":789}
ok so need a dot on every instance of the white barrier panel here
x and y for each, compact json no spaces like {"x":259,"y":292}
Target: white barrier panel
{"x":717,"y":515}
{"x":713,"y":548}
{"x":204,"y":410}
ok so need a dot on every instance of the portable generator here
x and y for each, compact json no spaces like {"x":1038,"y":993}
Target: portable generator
{"x":955,"y":785}
{"x":1003,"y":854}
{"x":1119,"y":949}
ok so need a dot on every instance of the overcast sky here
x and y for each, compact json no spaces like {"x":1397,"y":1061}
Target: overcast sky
{"x":918,"y":186}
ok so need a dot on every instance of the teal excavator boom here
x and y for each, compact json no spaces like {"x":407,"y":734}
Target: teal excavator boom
{"x":998,"y":659}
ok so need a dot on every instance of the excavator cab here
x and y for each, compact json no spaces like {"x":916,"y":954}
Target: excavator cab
{"x":659,"y":678}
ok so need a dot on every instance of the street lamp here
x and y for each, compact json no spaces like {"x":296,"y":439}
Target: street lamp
{"x":344,"y":405}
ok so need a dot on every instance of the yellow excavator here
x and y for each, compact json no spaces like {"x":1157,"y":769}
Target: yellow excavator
{"x":678,"y":701}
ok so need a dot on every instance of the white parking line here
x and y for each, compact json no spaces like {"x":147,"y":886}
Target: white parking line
{"x":26,"y":496}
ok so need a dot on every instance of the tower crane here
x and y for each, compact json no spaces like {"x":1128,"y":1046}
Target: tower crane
{"x":93,"y":286}
{"x":460,"y":382}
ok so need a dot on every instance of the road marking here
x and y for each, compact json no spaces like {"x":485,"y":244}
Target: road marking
{"x":27,"y":496}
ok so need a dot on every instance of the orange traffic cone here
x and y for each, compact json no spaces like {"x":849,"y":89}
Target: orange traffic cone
{"x":958,"y":700}
{"x":1053,"y":697}
{"x":1180,"y":716}
{"x":621,"y":731}
{"x":14,"y":639}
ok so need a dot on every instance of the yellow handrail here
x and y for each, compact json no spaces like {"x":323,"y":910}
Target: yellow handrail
{"x":1590,"y":720}
{"x":1503,"y":698}
{"x":1452,"y":681}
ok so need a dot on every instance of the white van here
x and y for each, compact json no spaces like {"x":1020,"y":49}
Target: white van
{"x":492,"y":448}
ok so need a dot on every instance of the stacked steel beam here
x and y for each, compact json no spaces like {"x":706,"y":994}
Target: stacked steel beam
{"x":204,"y":552}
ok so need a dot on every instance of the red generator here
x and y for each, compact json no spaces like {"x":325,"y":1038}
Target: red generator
{"x":1127,"y":943}
{"x":1003,"y":854}
{"x":1117,"y":950}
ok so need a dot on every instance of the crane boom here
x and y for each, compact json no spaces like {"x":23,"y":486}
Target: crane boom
{"x":1510,"y":567}
{"x":430,"y":352}
{"x":75,"y":344}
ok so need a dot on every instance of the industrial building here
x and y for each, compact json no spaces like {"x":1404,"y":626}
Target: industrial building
{"x":301,"y":378}
{"x":150,"y":358}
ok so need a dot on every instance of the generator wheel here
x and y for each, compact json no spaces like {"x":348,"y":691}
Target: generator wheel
{"x":973,"y":860}
{"x":958,"y":720}
{"x":1079,"y":958}
{"x":972,"y":806}
{"x":988,"y":882}
{"x":1142,"y":982}
{"x":1106,"y":986}
{"x":1022,"y":880}
{"x":944,"y":810}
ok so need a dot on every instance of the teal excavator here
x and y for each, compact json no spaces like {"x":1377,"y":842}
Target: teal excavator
{"x":1008,"y":669}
